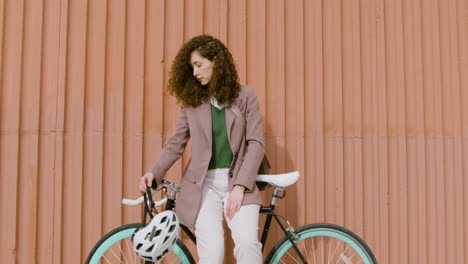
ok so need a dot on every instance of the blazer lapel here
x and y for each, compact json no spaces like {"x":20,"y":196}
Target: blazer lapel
{"x":204,"y":114}
{"x":229,"y":122}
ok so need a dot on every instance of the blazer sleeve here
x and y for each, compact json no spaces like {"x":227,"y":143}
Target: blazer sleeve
{"x":255,"y":146}
{"x":172,"y":149}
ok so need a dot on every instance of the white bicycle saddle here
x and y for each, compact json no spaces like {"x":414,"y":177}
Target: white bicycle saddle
{"x":280,"y":180}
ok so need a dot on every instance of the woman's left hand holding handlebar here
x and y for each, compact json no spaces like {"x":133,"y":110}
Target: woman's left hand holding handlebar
{"x":146,"y":180}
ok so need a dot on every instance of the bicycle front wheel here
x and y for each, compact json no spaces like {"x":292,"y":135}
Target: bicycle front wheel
{"x":322,"y":243}
{"x":117,"y":247}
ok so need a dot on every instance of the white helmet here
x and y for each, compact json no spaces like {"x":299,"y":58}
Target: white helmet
{"x":155,"y":240}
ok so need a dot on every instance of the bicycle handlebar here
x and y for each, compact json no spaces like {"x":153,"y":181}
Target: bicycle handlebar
{"x":165,"y":183}
{"x":141,"y":199}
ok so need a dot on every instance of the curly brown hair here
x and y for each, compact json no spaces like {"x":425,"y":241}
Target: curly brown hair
{"x":224,"y":84}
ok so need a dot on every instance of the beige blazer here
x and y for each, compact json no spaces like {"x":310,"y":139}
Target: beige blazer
{"x":195,"y":123}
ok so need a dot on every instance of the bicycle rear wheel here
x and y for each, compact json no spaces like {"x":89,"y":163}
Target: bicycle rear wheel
{"x":117,"y":247}
{"x":323,"y":243}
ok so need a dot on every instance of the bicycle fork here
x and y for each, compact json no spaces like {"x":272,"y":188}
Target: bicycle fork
{"x":291,"y":234}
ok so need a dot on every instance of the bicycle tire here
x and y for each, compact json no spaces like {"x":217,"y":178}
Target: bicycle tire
{"x":308,"y":240}
{"x":125,"y":233}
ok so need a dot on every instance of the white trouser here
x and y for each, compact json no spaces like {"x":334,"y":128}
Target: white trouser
{"x":209,"y":224}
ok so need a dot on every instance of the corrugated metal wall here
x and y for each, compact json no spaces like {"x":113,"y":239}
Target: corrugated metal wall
{"x":367,"y":99}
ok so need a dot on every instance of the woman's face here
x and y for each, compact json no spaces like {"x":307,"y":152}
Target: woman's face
{"x":202,"y":67}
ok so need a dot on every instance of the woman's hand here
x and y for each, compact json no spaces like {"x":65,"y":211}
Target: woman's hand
{"x":234,"y":201}
{"x":146,"y":180}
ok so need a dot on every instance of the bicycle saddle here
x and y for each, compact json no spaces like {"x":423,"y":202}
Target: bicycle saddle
{"x":280,"y":180}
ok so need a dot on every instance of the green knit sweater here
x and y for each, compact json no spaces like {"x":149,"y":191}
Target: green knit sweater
{"x":221,"y":153}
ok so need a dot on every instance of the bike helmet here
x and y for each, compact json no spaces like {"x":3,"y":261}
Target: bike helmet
{"x":155,"y":240}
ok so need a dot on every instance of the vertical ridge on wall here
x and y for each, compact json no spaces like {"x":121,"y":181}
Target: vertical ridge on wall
{"x":154,"y":83}
{"x":434,"y":143}
{"x":133,"y":103}
{"x":450,"y":111}
{"x":414,"y":131}
{"x":12,"y":51}
{"x":352,"y":136}
{"x":174,"y":38}
{"x":60,"y":116}
{"x":294,"y":116}
{"x":382,"y":146}
{"x":93,"y":130}
{"x":29,"y":125}
{"x":113,"y":167}
{"x":368,"y":130}
{"x":462,"y":34}
{"x":367,"y":99}
{"x":46,"y":195}
{"x":397,"y":185}
{"x":313,"y":67}
{"x":74,"y":119}
{"x":275,"y":91}
{"x":237,"y":35}
{"x":333,"y":111}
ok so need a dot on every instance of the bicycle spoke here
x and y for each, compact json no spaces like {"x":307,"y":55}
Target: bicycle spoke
{"x":334,"y":251}
{"x":175,"y":261}
{"x":327,"y":243}
{"x":123,"y":255}
{"x":323,"y":253}
{"x":307,"y":254}
{"x":106,"y":259}
{"x":313,"y":249}
{"x":329,"y":249}
{"x":293,"y":258}
{"x":344,"y":257}
{"x":115,"y":255}
{"x":352,"y":256}
{"x":128,"y":250}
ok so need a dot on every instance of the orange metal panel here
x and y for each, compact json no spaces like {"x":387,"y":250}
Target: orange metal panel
{"x":383,"y":248}
{"x":93,"y":131}
{"x":59,"y":162}
{"x":135,"y":27}
{"x":237,"y":35}
{"x":112,"y":185}
{"x":294,"y":121}
{"x":333,"y":112}
{"x":29,"y":137}
{"x":366,"y":99}
{"x":11,"y":84}
{"x":46,"y":194}
{"x":275,"y":92}
{"x":73,"y":143}
{"x":462,"y":32}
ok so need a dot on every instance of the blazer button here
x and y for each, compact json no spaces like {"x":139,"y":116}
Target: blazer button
{"x":230,"y":174}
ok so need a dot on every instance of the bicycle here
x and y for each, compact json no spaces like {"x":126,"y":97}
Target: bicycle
{"x":310,"y":243}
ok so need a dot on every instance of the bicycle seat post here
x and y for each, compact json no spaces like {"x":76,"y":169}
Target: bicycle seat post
{"x":278,"y":193}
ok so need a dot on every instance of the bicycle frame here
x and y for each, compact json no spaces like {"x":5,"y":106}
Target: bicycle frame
{"x":278,"y":193}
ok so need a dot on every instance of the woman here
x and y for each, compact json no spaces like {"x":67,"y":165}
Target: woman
{"x":220,"y":176}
